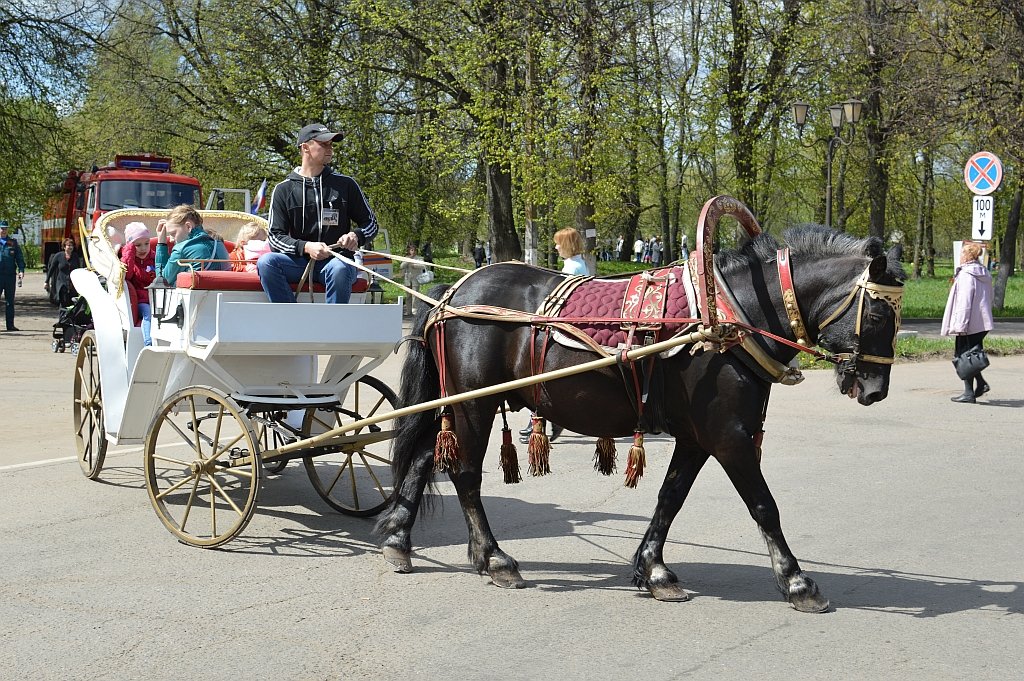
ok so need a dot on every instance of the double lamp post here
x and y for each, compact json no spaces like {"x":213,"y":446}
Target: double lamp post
{"x":849,"y":112}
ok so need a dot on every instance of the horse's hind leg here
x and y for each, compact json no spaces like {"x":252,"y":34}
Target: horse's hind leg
{"x":395,"y":526}
{"x":649,"y":569}
{"x":741,"y":466}
{"x":474,"y":422}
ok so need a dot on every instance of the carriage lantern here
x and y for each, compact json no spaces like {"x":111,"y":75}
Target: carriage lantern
{"x":159,"y":298}
{"x":374,"y":292}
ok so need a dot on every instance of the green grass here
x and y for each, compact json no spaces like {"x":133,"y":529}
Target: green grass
{"x":915,"y":349}
{"x":926,"y":297}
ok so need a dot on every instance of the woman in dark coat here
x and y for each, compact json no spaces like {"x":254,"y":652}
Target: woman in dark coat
{"x":58,"y":273}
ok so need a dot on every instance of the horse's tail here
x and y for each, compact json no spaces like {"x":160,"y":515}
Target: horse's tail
{"x":420,"y":383}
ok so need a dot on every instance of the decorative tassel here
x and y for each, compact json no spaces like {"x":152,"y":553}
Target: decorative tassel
{"x":509,"y":459}
{"x":637,"y":460}
{"x":539,"y":449}
{"x":446,"y":451}
{"x":604,"y":457}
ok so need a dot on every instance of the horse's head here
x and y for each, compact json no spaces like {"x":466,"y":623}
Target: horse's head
{"x":861,"y":329}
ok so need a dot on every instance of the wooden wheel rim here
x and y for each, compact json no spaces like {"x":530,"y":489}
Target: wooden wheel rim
{"x":202,"y":467}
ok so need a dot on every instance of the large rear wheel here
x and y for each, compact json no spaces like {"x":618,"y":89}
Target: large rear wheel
{"x":354,"y":476}
{"x":202,"y":466}
{"x":90,"y":436}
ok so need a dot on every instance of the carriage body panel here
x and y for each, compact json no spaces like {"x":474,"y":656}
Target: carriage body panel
{"x":234,"y":341}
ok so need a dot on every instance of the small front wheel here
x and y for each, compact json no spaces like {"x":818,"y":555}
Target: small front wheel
{"x":202,"y":466}
{"x":90,"y":436}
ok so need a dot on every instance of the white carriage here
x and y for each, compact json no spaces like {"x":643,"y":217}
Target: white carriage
{"x":229,"y":382}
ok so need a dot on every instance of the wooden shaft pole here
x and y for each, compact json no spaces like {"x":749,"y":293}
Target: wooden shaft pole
{"x":644,"y":351}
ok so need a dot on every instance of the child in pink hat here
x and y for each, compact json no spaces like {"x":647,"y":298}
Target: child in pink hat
{"x":139,"y":261}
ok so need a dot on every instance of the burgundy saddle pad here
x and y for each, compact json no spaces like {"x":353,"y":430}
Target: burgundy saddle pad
{"x":647,"y":302}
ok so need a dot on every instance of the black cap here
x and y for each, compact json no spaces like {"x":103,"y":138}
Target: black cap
{"x":318,"y":132}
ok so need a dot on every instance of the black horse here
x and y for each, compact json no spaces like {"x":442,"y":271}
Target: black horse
{"x":712,"y":403}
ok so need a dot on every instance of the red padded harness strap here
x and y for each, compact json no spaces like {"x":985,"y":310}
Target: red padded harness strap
{"x":789,"y":303}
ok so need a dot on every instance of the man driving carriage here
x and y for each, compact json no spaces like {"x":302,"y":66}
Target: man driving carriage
{"x":311,"y":212}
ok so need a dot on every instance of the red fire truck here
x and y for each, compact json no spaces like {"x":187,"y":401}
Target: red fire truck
{"x":131,"y":181}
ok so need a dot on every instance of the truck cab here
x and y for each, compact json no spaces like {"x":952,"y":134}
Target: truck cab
{"x":130,"y":181}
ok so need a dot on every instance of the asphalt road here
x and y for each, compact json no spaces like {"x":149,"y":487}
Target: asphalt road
{"x":908,"y":513}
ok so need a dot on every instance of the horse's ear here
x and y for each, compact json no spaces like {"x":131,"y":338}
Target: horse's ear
{"x":877,"y":268}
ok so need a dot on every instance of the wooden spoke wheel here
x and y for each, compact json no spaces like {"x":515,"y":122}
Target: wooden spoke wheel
{"x":202,"y":466}
{"x":354,"y":476}
{"x":90,"y":435}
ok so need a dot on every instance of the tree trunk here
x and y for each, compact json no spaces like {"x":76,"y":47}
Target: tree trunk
{"x":925,"y":205}
{"x":1008,"y":249}
{"x":500,"y":223}
{"x":878,"y":175}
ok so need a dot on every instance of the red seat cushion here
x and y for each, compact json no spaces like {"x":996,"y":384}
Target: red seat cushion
{"x":229,"y":280}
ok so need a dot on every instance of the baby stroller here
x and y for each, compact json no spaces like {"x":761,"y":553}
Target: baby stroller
{"x":72,"y":323}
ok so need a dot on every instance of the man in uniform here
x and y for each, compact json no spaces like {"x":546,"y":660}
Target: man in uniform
{"x":313,"y":210}
{"x":12,"y":264}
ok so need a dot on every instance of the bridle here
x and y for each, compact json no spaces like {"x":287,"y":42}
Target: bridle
{"x":846,"y":362}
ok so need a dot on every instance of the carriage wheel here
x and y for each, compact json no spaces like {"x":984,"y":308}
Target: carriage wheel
{"x":356,"y":480}
{"x":90,"y":436}
{"x":202,"y":466}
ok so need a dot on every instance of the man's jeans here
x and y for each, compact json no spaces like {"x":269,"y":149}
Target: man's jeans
{"x":278,"y":270}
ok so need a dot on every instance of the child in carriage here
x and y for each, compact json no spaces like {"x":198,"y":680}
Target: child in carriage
{"x":251,"y":244}
{"x":192,"y":242}
{"x":140,"y":270}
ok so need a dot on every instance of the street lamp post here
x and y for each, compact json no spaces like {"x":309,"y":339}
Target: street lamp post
{"x":848,"y":111}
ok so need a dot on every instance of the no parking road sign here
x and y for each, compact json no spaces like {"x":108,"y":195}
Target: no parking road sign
{"x":983,"y":173}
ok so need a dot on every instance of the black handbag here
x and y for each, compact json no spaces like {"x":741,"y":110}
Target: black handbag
{"x":971,"y":363}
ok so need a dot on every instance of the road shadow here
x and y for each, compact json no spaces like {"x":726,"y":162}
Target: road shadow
{"x":848,"y":587}
{"x":1013,"y":404}
{"x":292,"y":521}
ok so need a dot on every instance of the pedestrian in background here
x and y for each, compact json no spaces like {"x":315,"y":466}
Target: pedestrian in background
{"x":478,"y":255}
{"x":968,"y":314}
{"x":570,"y":246}
{"x":58,"y":273}
{"x":12,"y":271}
{"x":411,"y":272}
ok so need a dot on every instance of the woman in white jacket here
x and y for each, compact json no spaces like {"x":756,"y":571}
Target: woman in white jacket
{"x":968,"y":314}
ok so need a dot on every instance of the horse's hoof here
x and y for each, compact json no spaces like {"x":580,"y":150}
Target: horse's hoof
{"x":398,"y":559}
{"x":504,"y":575}
{"x":809,"y":602}
{"x":669,"y":593}
{"x":508,"y":580}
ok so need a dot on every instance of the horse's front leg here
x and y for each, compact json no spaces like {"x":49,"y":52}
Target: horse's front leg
{"x":741,"y":465}
{"x":649,"y":569}
{"x":473,"y":427}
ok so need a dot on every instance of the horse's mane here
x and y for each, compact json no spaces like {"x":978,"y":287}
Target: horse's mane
{"x":804,"y":241}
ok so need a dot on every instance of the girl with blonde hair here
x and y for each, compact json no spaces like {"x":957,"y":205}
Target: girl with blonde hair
{"x":184,"y":225}
{"x":250,"y":245}
{"x":570,"y":247}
